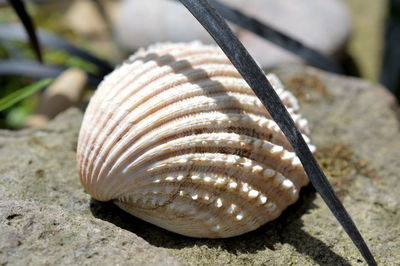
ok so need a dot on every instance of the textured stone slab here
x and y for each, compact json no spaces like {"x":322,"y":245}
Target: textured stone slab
{"x":37,"y":234}
{"x":46,"y":217}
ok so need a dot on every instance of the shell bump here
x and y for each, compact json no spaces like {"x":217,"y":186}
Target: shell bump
{"x":176,"y":137}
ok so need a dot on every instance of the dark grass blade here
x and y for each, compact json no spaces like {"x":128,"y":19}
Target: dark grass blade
{"x":23,"y":15}
{"x":290,"y":44}
{"x":245,"y":64}
{"x":15,"y":31}
{"x":32,"y":69}
{"x":310,"y":55}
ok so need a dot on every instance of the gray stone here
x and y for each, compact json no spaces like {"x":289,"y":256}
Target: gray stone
{"x":322,"y":25}
{"x":37,"y":234}
{"x":47,"y":218}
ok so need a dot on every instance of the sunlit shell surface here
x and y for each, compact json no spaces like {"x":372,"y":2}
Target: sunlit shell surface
{"x":176,"y":137}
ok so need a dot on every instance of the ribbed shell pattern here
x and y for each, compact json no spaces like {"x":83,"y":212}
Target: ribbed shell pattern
{"x":176,"y":137}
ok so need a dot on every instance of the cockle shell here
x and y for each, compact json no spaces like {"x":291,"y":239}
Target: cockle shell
{"x":176,"y":137}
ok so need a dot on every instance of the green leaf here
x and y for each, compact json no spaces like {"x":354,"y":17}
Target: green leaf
{"x":18,"y":95}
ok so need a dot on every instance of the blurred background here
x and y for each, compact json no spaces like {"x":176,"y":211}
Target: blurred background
{"x":86,"y":39}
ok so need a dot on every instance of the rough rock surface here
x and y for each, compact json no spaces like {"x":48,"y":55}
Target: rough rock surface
{"x":47,"y":218}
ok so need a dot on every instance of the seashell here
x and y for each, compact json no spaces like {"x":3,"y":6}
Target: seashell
{"x":176,"y":137}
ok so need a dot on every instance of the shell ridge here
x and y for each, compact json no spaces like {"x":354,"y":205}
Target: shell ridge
{"x":176,"y":137}
{"x":99,"y":157}
{"x":180,"y":107}
{"x":221,"y":202}
{"x":108,"y":98}
{"x":140,"y":87}
{"x":189,"y":104}
{"x":226,"y":142}
{"x":155,"y":60}
{"x":233,"y":161}
{"x":220,"y":181}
